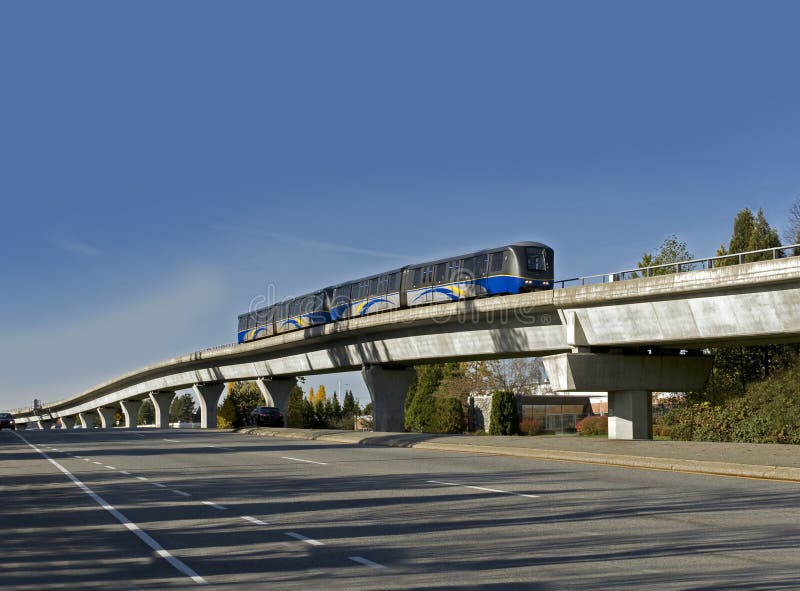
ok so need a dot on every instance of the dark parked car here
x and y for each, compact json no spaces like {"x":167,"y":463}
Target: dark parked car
{"x":7,"y":421}
{"x":266,"y":416}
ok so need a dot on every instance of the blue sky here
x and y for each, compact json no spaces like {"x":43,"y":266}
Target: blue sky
{"x":163,"y":163}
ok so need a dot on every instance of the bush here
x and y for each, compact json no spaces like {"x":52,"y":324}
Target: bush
{"x":592,"y":426}
{"x":531,"y":427}
{"x":505,"y":415}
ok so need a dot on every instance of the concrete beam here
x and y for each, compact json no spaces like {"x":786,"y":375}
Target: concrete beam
{"x":130,"y":408}
{"x":276,"y":392}
{"x":162,"y":401}
{"x":599,"y":372}
{"x":106,"y":416}
{"x":208,"y":395}
{"x":388,"y":386}
{"x":88,"y":419}
{"x":67,"y":422}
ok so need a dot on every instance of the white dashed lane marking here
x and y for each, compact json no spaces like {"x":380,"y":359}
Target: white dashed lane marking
{"x":254,"y":520}
{"x":303,"y":538}
{"x":215,"y":505}
{"x":304,"y":461}
{"x":368,"y":563}
{"x":482,"y":488}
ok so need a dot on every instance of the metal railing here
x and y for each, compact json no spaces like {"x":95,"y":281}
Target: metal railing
{"x":738,"y":258}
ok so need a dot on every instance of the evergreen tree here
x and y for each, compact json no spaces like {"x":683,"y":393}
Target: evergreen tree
{"x":671,"y":251}
{"x":349,"y":404}
{"x":182,"y":409}
{"x":505,"y":414}
{"x":147,"y":413}
{"x":336,"y":408}
{"x":244,"y":397}
{"x":294,"y":410}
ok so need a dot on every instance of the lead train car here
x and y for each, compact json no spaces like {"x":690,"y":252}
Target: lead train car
{"x":516,"y":268}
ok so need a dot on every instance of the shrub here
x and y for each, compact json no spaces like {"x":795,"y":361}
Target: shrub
{"x":593,"y":426}
{"x":505,"y":415}
{"x":531,"y":427}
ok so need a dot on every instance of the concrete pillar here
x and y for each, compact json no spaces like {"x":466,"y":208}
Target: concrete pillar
{"x":130,"y":408}
{"x":630,"y":414}
{"x":21,"y":426}
{"x":276,"y":392}
{"x":209,"y":399}
{"x":67,"y":422}
{"x":106,"y":417}
{"x":388,"y":386}
{"x":88,"y":419}
{"x":162,"y":402}
{"x":45,"y":424}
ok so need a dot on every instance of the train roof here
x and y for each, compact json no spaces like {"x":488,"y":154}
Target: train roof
{"x":477,"y":252}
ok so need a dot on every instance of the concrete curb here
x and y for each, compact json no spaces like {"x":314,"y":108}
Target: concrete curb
{"x":782,"y":473}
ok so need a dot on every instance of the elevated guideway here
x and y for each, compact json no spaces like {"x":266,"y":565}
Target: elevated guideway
{"x":617,"y":336}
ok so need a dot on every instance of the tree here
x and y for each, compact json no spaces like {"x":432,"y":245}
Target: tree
{"x":294,"y":410}
{"x":182,"y":409}
{"x":242,"y":398}
{"x":671,"y":251}
{"x":750,"y":232}
{"x":147,"y":413}
{"x":336,"y":408}
{"x":321,"y":394}
{"x":348,"y":404}
{"x":311,"y":394}
{"x":505,"y":414}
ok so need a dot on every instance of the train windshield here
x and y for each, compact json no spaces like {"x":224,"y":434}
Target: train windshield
{"x":536,"y":259}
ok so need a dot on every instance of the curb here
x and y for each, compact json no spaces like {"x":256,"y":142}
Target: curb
{"x":781,"y":473}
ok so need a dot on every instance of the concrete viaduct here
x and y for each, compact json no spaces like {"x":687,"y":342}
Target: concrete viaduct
{"x":627,"y":338}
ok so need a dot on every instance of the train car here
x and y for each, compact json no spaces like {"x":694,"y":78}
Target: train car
{"x":516,"y":268}
{"x":369,"y":295}
{"x":302,"y":312}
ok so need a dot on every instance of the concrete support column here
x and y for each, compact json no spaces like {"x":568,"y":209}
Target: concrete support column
{"x":388,"y":386}
{"x":106,"y":417}
{"x":21,"y":426}
{"x":45,"y":424}
{"x":630,"y":414}
{"x":276,"y":392}
{"x":209,"y":399}
{"x":130,"y":408}
{"x":67,"y":422}
{"x":88,"y":419}
{"x":162,"y":402}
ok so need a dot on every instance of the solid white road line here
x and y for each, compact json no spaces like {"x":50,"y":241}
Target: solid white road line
{"x":303,"y":538}
{"x":483,"y":488}
{"x":254,"y":520}
{"x":304,"y":461}
{"x":137,"y":531}
{"x":368,"y":563}
{"x":210,"y":504}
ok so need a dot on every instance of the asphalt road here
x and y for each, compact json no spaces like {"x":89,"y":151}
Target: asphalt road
{"x":181,"y":509}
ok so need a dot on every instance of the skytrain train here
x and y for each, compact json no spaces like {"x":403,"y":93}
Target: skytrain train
{"x":515,"y":268}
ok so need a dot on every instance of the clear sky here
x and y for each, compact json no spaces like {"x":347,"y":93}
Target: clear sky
{"x":163,"y":163}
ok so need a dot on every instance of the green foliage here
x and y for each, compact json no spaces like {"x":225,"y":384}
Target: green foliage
{"x":592,"y":426}
{"x":294,"y":410}
{"x":769,"y":412}
{"x":750,"y":232}
{"x":182,"y":409}
{"x":671,"y":250}
{"x":242,"y":398}
{"x":147,"y":413}
{"x":505,"y":414}
{"x":429,"y":408}
{"x":449,"y":416}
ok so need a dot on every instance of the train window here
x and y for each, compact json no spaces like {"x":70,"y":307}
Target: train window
{"x":270,"y":314}
{"x":417,"y":277}
{"x":363,"y":289}
{"x":341,"y":295}
{"x":427,"y":275}
{"x":394,"y":283}
{"x":452,"y":270}
{"x":439,"y":273}
{"x":251,"y":320}
{"x":294,"y":307}
{"x":242,"y":323}
{"x":468,"y":269}
{"x":375,"y":286}
{"x":261,"y":316}
{"x":481,"y":262}
{"x":498,"y":258}
{"x":283,"y":310}
{"x":535,"y":258}
{"x":317,"y":301}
